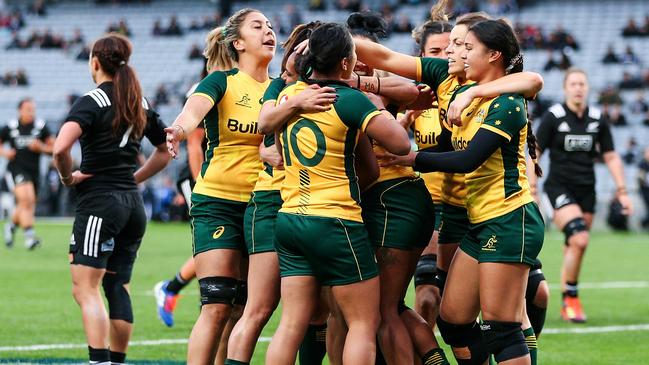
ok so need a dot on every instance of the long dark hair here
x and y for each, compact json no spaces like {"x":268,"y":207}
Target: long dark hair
{"x":368,"y":25}
{"x":499,"y":36}
{"x":299,"y":34}
{"x":328,"y":45}
{"x":113,"y":52}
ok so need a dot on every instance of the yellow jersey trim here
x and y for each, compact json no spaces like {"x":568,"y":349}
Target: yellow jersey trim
{"x":419,"y":67}
{"x":497,"y":131}
{"x":205,"y":96}
{"x":367,"y":119}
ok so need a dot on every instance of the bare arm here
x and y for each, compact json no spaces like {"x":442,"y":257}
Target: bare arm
{"x":388,"y":133}
{"x":366,"y":165}
{"x":154,"y":164}
{"x":527,"y":84}
{"x":313,"y":99}
{"x":399,"y":90}
{"x":195,"y":155}
{"x":383,"y":58}
{"x":69,"y":133}
{"x":614,"y":164}
{"x":194,"y":111}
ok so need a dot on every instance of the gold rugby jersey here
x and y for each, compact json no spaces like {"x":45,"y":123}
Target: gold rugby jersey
{"x":232,"y":160}
{"x":500,"y":184}
{"x":427,"y":129}
{"x":318,"y":150}
{"x":434,"y":73}
{"x":271,"y":178}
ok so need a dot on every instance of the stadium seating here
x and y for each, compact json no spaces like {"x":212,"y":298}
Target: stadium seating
{"x":54,"y":74}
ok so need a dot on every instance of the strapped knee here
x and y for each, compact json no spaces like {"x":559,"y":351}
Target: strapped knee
{"x":504,"y":340}
{"x":119,"y":301}
{"x":426,"y":270}
{"x":534,"y":279}
{"x":242,"y":293}
{"x":440,"y":278}
{"x":466,"y":341}
{"x":573,"y":227}
{"x":218,"y":290}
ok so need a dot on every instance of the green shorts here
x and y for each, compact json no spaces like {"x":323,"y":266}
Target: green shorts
{"x":455,"y":224}
{"x":216,"y":223}
{"x":335,"y":251}
{"x":515,"y":237}
{"x":259,"y":221}
{"x":438,"y":215}
{"x":399,"y":213}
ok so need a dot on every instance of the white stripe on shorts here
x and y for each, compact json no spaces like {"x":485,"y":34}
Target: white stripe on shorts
{"x":96,"y":253}
{"x":85,"y":238}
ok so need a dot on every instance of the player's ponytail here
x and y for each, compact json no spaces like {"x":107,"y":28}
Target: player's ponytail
{"x":113,"y":52}
{"x":437,"y":24}
{"x":531,"y":147}
{"x":216,"y":51}
{"x":299,"y":34}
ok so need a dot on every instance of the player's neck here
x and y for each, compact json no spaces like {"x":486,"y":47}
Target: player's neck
{"x":576,"y":108}
{"x":256,"y":70}
{"x":101,"y":78}
{"x":491,"y":74}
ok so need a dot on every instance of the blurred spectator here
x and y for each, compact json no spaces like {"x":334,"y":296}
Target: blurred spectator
{"x":12,"y":21}
{"x":195,"y":53}
{"x":630,"y":82}
{"x":294,"y":16}
{"x":77,"y":38}
{"x":84,"y":54}
{"x":499,"y":7}
{"x":643,"y":183}
{"x":350,"y":5}
{"x":17,"y":78}
{"x":157,"y":28}
{"x":609,"y":96}
{"x":121,"y":28}
{"x":629,"y":57}
{"x":562,"y":64}
{"x":404,"y":25}
{"x":632,"y":151}
{"x":194,"y":26}
{"x":161,"y":96}
{"x":614,"y":115}
{"x":631,"y":29}
{"x":317,"y":5}
{"x":610,"y":56}
{"x":278,"y":25}
{"x":37,"y":8}
{"x":17,"y":42}
{"x":639,"y":105}
{"x":174,"y":28}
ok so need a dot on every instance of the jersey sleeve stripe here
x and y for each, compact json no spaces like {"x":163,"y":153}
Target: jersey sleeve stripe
{"x":205,"y":96}
{"x":497,"y":131}
{"x":103,"y":95}
{"x":419,"y":67}
{"x":96,"y":99}
{"x":367,"y":119}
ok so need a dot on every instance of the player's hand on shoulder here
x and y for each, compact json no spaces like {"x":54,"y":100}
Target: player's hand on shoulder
{"x":455,"y":109}
{"x":316,"y":99}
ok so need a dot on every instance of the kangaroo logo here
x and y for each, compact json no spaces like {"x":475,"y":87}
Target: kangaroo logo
{"x":245,"y":101}
{"x":491,"y":244}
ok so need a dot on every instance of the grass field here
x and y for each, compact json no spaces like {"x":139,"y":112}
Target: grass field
{"x":36,"y":307}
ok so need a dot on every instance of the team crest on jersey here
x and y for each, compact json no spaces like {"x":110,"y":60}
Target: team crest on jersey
{"x":563,"y":127}
{"x":245,"y":101}
{"x":283,"y":99}
{"x":491,"y":244}
{"x":479,"y":117}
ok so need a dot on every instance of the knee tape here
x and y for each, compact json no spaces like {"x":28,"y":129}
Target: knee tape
{"x":534,"y":279}
{"x":242,"y":293}
{"x":464,"y":336}
{"x":504,"y":340}
{"x":573,"y":227}
{"x":426,"y":270}
{"x":440,"y":278}
{"x":119,"y":301}
{"x":218,"y":289}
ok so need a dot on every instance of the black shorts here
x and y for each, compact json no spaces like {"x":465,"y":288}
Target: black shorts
{"x":15,"y":177}
{"x":108,"y":230}
{"x":562,"y":195}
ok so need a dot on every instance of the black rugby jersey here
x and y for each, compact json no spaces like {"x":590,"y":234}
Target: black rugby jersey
{"x":20,"y":136}
{"x":574,"y":143}
{"x":110,"y":157}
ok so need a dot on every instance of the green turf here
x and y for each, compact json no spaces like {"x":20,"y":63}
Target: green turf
{"x":36,"y":306}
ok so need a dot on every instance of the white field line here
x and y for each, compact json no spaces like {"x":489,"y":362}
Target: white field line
{"x":182,"y":341}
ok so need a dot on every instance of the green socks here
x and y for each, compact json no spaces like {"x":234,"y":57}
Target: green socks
{"x":530,"y":340}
